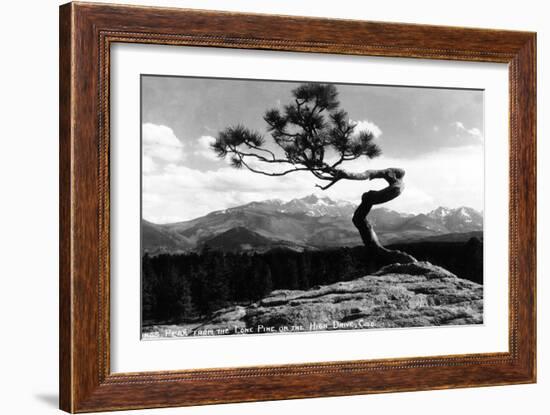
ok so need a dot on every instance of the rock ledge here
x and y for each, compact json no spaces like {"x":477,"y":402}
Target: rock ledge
{"x":398,"y":295}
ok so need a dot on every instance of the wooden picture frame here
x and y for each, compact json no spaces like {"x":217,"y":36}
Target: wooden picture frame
{"x":86,"y":33}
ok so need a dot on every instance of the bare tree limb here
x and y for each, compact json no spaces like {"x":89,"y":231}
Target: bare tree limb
{"x":272,"y":174}
{"x":333,"y":182}
{"x":264,"y":150}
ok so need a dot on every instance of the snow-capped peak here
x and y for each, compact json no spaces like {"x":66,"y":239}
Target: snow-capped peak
{"x":313,"y":205}
{"x":463,"y":212}
{"x":440,"y":212}
{"x":458,"y":219}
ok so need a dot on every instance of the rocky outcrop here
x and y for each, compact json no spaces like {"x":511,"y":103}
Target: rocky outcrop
{"x":398,"y":295}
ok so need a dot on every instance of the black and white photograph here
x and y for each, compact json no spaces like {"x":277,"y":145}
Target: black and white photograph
{"x":278,"y":207}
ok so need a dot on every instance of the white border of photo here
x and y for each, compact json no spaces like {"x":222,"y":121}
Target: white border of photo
{"x":131,"y":354}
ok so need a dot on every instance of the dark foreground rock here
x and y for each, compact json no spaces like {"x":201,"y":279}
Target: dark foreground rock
{"x":398,"y":295}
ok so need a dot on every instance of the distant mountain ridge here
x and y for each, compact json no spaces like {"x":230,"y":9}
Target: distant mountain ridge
{"x":310,"y":222}
{"x":311,"y":205}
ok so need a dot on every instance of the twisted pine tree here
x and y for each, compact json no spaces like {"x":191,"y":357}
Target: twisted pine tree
{"x":304,"y":133}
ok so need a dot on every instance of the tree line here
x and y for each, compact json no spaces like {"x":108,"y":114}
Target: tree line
{"x":189,"y":287}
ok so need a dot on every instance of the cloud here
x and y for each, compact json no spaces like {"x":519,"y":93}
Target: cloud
{"x":368,"y":126}
{"x":178,"y":192}
{"x":203,"y":148}
{"x":161,"y":145}
{"x":148,"y":165}
{"x":476,"y":132}
{"x":458,"y":182}
{"x":472,"y":132}
{"x":182,"y":193}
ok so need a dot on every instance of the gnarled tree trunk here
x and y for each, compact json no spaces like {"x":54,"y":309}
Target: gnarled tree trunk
{"x":394,"y":177}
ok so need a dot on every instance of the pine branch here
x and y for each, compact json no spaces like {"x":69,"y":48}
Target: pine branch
{"x":303,"y":133}
{"x":264,"y":150}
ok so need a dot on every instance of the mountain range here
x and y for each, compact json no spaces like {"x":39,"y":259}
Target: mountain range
{"x":311,"y":222}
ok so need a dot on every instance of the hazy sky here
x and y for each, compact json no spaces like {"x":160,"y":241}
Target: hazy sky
{"x":436,"y":135}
